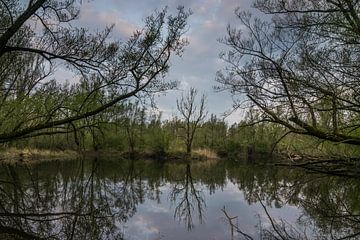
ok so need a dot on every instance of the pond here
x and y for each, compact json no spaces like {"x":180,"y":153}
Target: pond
{"x":124,"y":199}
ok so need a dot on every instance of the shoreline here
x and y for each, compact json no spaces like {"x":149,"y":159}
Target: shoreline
{"x":323,"y":164}
{"x":33,"y":156}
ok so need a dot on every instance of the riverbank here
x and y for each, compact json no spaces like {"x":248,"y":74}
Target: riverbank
{"x":197,"y":154}
{"x":322,"y":164}
{"x":32,"y":156}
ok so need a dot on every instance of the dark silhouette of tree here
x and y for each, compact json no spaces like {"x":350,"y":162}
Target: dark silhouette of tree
{"x":300,"y":68}
{"x":37,"y":38}
{"x":187,"y":199}
{"x":192,"y":114}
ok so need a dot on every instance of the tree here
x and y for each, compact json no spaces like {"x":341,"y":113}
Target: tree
{"x":133,"y":121}
{"x":213,"y":132}
{"x":37,"y":39}
{"x":157,"y":135}
{"x":192,"y":115}
{"x":300,"y":68}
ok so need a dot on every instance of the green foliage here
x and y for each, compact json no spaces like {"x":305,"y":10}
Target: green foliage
{"x":298,"y":68}
{"x":157,"y":138}
{"x":130,"y":127}
{"x":36,"y":37}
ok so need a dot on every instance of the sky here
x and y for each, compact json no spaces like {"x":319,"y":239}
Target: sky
{"x":198,"y":65}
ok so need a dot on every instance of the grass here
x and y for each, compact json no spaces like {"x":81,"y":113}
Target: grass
{"x":205,"y":153}
{"x":33,"y":155}
{"x":11,"y":155}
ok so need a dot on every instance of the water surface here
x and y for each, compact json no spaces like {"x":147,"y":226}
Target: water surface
{"x":124,"y":199}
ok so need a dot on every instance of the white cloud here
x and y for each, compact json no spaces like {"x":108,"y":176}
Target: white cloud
{"x":200,"y":61}
{"x":98,"y":19}
{"x":184,"y":85}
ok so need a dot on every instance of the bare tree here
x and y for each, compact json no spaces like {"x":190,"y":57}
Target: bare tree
{"x":192,"y":113}
{"x":188,"y":199}
{"x":37,"y":38}
{"x":301,"y":68}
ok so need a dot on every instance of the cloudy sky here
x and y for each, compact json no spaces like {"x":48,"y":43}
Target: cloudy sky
{"x":200,"y":61}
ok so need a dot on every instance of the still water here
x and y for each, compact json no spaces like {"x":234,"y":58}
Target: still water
{"x":123,"y":199}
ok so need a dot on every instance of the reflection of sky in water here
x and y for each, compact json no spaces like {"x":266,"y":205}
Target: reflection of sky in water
{"x":139,"y":199}
{"x":154,"y":221}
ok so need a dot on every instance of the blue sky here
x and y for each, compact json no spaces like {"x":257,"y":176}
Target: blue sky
{"x":200,"y":61}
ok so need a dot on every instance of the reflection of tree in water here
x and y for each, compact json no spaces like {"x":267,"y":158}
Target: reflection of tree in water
{"x":74,"y":204}
{"x":334,"y":205}
{"x":187,"y":199}
{"x":278,"y":229}
{"x":93,"y":200}
{"x":331,"y":205}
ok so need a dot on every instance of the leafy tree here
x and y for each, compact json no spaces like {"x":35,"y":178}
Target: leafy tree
{"x":158,"y":137}
{"x":133,"y":122}
{"x":212,"y":133}
{"x":37,"y":39}
{"x":300,"y":68}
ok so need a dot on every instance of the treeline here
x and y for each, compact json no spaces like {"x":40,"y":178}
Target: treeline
{"x":295,"y":74}
{"x":132,"y":128}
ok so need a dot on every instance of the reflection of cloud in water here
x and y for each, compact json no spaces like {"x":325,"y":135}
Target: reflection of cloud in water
{"x":157,"y":208}
{"x":153,"y":220}
{"x":160,"y":217}
{"x":143,"y":227}
{"x":144,"y":209}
